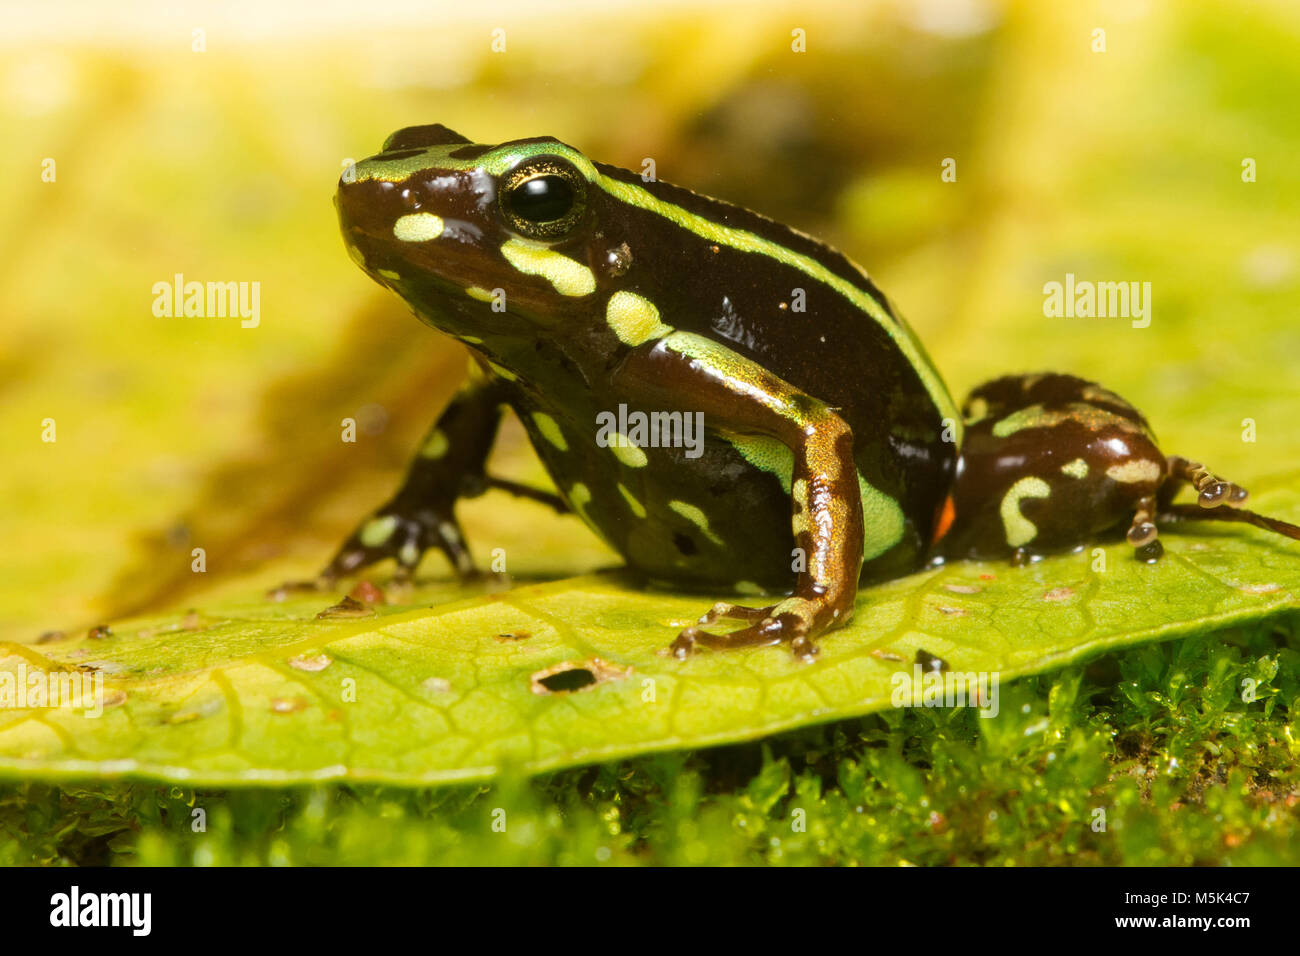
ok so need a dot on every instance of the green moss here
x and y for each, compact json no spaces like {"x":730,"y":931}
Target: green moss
{"x":1158,"y":738}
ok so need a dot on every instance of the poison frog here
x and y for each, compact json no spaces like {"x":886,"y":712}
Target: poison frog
{"x":830,"y":453}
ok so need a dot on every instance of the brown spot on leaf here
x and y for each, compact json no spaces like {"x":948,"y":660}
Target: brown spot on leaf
{"x":513,"y":636}
{"x":569,"y":676}
{"x":114,"y":698}
{"x":349,"y":607}
{"x":304,"y":663}
{"x":99,"y":632}
{"x":1059,"y":594}
{"x":1260,"y":588}
{"x":51,"y":637}
{"x":288,"y":705}
{"x":962,"y":588}
{"x":930,"y":662}
{"x":880,"y":655}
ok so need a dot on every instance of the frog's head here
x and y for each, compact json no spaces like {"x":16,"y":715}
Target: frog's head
{"x":455,"y":228}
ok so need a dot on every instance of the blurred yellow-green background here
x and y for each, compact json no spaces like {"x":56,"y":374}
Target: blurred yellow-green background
{"x":205,"y":139}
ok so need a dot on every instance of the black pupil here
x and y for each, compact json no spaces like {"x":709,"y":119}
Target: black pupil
{"x":542,"y":199}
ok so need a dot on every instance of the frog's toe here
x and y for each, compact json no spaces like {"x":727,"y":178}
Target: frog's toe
{"x":770,"y":625}
{"x":389,"y":534}
{"x":736,"y":612}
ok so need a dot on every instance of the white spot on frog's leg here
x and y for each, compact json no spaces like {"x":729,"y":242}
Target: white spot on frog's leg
{"x":1136,"y":472}
{"x":638,"y":509}
{"x":550,"y":430}
{"x":1075,"y":469}
{"x":626,"y":452}
{"x":449,"y":532}
{"x":409,"y":554}
{"x":696,"y":517}
{"x":1020,"y":530}
{"x":436,"y":446}
{"x":418,"y":227}
{"x":568,"y":276}
{"x":634,"y":318}
{"x":377,"y":531}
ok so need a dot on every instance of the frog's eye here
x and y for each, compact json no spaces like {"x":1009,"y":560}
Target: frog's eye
{"x":543,"y":198}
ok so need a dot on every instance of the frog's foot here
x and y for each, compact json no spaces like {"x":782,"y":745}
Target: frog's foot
{"x":795,"y":620}
{"x":1143,"y":534}
{"x":390,"y":533}
{"x":1211,"y":490}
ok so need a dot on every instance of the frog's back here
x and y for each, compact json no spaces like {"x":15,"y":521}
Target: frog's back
{"x":802,"y":310}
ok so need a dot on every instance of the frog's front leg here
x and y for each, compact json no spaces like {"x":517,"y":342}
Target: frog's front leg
{"x":738,"y":396}
{"x":449,"y":466}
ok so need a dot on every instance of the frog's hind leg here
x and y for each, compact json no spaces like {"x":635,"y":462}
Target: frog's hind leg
{"x":1216,"y":500}
{"x":1143,"y":534}
{"x":1211,"y":491}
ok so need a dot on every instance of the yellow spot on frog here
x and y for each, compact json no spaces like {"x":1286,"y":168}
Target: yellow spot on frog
{"x":389,"y":273}
{"x":580,"y":497}
{"x":436,"y":446}
{"x":480,"y":293}
{"x":1020,"y":530}
{"x":634,"y":319}
{"x":696,"y":517}
{"x":505,"y":373}
{"x":638,"y":509}
{"x":1075,"y":469}
{"x":550,"y":430}
{"x":376,"y":532}
{"x":1135,"y":472}
{"x":626,"y":452}
{"x":568,"y":276}
{"x":418,"y":227}
{"x":766,"y":454}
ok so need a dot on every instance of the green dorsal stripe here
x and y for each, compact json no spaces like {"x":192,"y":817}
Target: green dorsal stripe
{"x":498,"y":161}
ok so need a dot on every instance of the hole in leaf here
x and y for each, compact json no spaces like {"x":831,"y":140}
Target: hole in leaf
{"x":575,"y":678}
{"x":570,"y":676}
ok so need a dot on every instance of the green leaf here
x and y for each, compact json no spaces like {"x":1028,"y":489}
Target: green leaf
{"x":448,"y":688}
